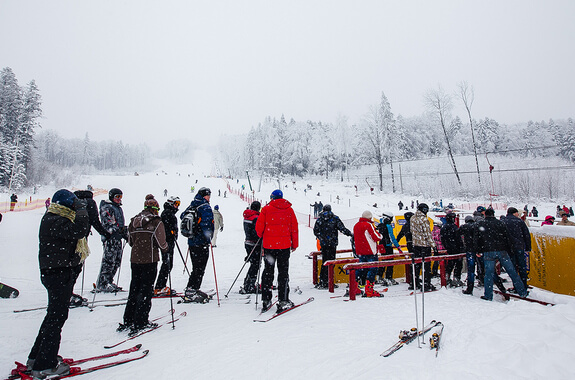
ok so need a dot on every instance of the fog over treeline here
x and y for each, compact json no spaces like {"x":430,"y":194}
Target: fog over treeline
{"x":434,"y":154}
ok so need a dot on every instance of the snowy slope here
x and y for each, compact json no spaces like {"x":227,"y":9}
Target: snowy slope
{"x":328,"y":338}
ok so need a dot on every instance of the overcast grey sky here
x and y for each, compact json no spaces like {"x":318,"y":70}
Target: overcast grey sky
{"x":157,"y":70}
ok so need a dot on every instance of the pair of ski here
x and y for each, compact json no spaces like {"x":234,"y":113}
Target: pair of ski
{"x":89,"y":304}
{"x":277,"y":314}
{"x":21,"y":372}
{"x":408,"y":336}
{"x":508,"y":295}
{"x":145,"y":331}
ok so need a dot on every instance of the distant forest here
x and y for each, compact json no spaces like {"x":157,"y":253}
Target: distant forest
{"x":432,"y":154}
{"x":29,"y":157}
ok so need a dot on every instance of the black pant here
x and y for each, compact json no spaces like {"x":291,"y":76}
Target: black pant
{"x":454,"y":266}
{"x":141,"y":292}
{"x":271,"y":256}
{"x":167,"y":265}
{"x":389,"y":269}
{"x":327,"y":253}
{"x":59,"y":284}
{"x":255,"y":258}
{"x":422,"y":252}
{"x":199,"y":256}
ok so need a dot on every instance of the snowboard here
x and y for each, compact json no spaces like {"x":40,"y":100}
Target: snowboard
{"x":8,"y":291}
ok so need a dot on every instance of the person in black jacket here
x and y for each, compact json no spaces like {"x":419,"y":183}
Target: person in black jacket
{"x":520,"y":242}
{"x":170,"y":222}
{"x":65,"y":222}
{"x":451,"y":240}
{"x":326,"y":230}
{"x":491,"y":241}
{"x":253,"y":246}
{"x":467,"y":231}
{"x":94,"y":220}
{"x":406,"y":232}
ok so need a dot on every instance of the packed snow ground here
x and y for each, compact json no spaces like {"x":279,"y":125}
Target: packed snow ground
{"x":326,"y":339}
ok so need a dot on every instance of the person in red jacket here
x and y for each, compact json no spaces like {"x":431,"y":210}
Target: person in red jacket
{"x":277,"y":226}
{"x":366,"y":237}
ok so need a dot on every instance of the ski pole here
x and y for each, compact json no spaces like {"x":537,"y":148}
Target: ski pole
{"x":414,"y":282}
{"x":242,"y":268}
{"x":423,"y":297}
{"x":258,"y":283}
{"x":182,"y":256}
{"x":171,"y":300}
{"x":215,"y":277}
{"x":83,"y":271}
{"x":94,"y":298}
{"x":120,"y":267}
{"x":186,"y":260}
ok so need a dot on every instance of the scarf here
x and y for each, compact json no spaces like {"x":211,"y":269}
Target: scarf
{"x":82,"y":248}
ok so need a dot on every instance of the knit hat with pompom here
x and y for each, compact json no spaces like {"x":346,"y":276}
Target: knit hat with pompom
{"x":151,"y":202}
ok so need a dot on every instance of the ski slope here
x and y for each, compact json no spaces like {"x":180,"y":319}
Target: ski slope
{"x":326,"y":339}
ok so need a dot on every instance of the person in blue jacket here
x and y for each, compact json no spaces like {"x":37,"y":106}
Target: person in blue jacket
{"x":199,"y":244}
{"x":387,"y":243}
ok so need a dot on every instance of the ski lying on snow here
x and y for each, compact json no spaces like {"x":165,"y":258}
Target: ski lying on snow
{"x":512,"y":295}
{"x":22,"y":369}
{"x":435,"y":339}
{"x":406,"y":337}
{"x":183,"y":314}
{"x":87,"y":304}
{"x":75,"y":371}
{"x":284,"y":311}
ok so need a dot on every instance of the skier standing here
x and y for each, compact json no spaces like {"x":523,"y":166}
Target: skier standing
{"x":365,"y":238}
{"x":467,"y":230}
{"x":170,"y":222}
{"x":253,"y":246}
{"x":277,"y":226}
{"x":146,"y":236}
{"x":406,"y":232}
{"x":218,"y":224}
{"x":65,"y":222}
{"x":422,"y":245}
{"x":386,"y":243}
{"x":326,"y":230}
{"x":112,"y":217}
{"x":451,"y":240}
{"x":199,"y":244}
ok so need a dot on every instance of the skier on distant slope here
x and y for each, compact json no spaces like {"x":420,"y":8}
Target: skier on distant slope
{"x":326,"y":230}
{"x":65,"y":222}
{"x":277,"y":226}
{"x":199,"y":244}
{"x":112,"y":218}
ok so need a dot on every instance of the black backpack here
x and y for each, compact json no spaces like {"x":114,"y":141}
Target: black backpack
{"x":190,"y":222}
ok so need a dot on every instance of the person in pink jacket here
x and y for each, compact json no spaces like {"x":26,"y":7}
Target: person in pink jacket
{"x":366,"y":237}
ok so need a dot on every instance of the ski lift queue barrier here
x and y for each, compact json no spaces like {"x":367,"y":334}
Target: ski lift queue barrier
{"x":352,"y":267}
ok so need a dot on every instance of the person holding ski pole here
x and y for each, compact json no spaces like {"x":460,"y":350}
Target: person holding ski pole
{"x":65,"y":222}
{"x":170,"y":222}
{"x":253,"y":246}
{"x":146,"y":236}
{"x":199,"y":244}
{"x":112,"y":217}
{"x":277,"y":226}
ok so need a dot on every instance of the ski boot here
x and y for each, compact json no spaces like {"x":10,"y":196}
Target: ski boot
{"x":195,"y":296}
{"x":284,"y":305}
{"x":434,"y":340}
{"x":370,"y":292}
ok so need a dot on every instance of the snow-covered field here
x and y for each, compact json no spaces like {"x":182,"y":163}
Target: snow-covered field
{"x":326,"y":339}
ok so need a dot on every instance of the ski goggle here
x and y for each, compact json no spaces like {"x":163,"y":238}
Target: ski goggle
{"x":177,"y":204}
{"x":118,"y":196}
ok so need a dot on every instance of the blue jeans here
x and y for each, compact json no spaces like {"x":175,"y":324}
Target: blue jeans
{"x":489,"y":262}
{"x":519,"y":260}
{"x":370,"y":276}
{"x":470,"y":256}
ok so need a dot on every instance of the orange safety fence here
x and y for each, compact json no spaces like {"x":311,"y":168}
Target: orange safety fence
{"x":29,"y":204}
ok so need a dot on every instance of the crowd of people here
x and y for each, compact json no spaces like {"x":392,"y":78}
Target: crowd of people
{"x":271,"y":234}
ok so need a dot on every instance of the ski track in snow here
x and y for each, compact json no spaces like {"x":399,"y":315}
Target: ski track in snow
{"x":326,"y":339}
